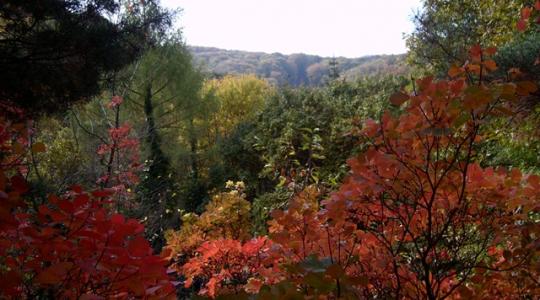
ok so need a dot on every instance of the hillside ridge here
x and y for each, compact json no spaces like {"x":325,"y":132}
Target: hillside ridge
{"x":296,"y":69}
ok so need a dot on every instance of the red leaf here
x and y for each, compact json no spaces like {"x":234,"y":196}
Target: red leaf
{"x":102,"y":193}
{"x":139,"y":246}
{"x":66,"y":206}
{"x":77,"y":189}
{"x":398,"y":98}
{"x":115,"y":101}
{"x":90,"y":297}
{"x":54,"y":274}
{"x":475,"y":51}
{"x":521,"y":25}
{"x":19,"y":185}
{"x":117,"y":219}
{"x":526,"y":13}
{"x":80,"y":200}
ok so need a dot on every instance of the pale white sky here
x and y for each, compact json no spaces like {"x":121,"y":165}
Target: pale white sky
{"x":349,"y":28}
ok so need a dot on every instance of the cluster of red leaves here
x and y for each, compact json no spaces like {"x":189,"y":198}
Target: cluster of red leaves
{"x":526,"y":14}
{"x":317,"y":248}
{"x":120,"y":155}
{"x":228,"y":266}
{"x":72,"y":247}
{"x":427,"y":213}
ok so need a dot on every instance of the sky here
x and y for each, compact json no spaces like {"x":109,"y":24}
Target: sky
{"x":350,"y":28}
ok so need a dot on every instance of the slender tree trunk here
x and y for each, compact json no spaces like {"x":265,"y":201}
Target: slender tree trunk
{"x":193,"y":154}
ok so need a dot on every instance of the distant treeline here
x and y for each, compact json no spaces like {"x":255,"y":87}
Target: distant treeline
{"x":295,"y":69}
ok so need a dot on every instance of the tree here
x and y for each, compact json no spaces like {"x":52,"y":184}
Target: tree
{"x":445,"y":29}
{"x":55,"y":52}
{"x":333,"y":68}
{"x":162,"y":88}
{"x":239,"y":99}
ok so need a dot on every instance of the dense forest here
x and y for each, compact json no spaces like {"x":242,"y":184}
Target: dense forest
{"x":295,"y":69}
{"x":136,"y":167}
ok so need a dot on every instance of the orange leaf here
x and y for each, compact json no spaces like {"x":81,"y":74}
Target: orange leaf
{"x":17,"y":148}
{"x":473,"y":68}
{"x":211,"y":286}
{"x":505,"y":111}
{"x":38,"y":147}
{"x":475,"y":51}
{"x":526,"y":13}
{"x":455,"y":71}
{"x":490,"y":65}
{"x":253,"y":285}
{"x":490,"y":50}
{"x":524,"y":88}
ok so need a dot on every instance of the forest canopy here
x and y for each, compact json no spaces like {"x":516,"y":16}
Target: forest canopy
{"x":129,"y":170}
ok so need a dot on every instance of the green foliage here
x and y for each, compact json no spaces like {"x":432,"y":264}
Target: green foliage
{"x":521,"y":53}
{"x":53,"y":169}
{"x":263,"y":206}
{"x":446,"y":29}
{"x":306,"y":135}
{"x":165,"y":85}
{"x":519,"y":148}
{"x":239,"y":160}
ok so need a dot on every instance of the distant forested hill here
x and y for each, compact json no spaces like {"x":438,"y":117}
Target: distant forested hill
{"x":295,"y":69}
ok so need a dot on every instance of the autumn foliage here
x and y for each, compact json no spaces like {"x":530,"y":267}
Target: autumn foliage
{"x":417,"y":217}
{"x":226,"y":217}
{"x":227,"y":266}
{"x":119,"y":154}
{"x":72,"y":247}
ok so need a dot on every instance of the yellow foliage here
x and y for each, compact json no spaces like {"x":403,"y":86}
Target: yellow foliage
{"x":226,"y":217}
{"x":239,"y":98}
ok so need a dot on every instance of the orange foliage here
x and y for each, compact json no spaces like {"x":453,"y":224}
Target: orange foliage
{"x":228,"y":266}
